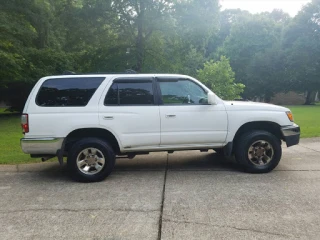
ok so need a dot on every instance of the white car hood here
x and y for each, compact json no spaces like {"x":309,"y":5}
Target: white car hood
{"x":252,"y":106}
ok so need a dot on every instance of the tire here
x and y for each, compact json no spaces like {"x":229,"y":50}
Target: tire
{"x":258,"y":151}
{"x":84,"y":158}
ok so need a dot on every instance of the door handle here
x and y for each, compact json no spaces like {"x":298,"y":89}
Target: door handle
{"x":108,"y":117}
{"x":170,"y":116}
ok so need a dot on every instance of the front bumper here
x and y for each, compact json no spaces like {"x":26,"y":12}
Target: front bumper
{"x":47,"y":146}
{"x":291,"y":134}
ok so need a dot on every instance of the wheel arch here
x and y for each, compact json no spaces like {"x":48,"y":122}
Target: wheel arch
{"x":268,"y":126}
{"x":97,"y":132}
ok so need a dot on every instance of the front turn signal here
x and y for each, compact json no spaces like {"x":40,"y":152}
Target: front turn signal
{"x":290,"y":116}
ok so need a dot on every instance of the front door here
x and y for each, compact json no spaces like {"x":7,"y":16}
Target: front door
{"x":186,"y":116}
{"x":130,"y":110}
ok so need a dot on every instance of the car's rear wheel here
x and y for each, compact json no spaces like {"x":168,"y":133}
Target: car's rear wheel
{"x":90,"y":160}
{"x":258,"y":151}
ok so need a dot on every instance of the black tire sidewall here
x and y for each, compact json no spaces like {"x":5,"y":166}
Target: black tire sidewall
{"x":102,"y":146}
{"x":247,"y":140}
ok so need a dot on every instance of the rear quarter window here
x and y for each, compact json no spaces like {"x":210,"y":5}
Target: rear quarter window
{"x":67,"y":92}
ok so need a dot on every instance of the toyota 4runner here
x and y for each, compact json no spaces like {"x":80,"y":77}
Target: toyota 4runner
{"x":92,"y":119}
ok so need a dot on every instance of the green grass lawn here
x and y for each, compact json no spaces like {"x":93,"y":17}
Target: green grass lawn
{"x":308,"y":117}
{"x":10,"y":134}
{"x":3,"y":111}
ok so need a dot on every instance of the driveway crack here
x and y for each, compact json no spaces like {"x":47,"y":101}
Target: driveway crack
{"x":78,"y":210}
{"x":232,"y":227}
{"x":163,"y":198}
{"x":309,"y":148}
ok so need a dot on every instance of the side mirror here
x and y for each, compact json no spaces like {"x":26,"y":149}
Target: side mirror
{"x":212,"y":100}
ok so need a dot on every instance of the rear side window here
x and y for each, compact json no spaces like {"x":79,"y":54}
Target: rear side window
{"x":67,"y":92}
{"x":130,"y":93}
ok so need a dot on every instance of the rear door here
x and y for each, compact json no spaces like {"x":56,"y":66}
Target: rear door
{"x":186,"y":116}
{"x":129,"y":109}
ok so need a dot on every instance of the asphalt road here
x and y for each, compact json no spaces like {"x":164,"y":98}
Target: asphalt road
{"x":184,"y":195}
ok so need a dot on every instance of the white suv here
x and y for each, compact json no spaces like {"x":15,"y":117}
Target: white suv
{"x":91,"y":119}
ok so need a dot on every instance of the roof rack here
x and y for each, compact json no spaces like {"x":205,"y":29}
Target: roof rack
{"x":127,"y":71}
{"x":130,"y":71}
{"x":68,"y":73}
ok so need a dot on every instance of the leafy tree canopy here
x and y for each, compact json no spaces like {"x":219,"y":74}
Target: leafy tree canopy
{"x":219,"y":77}
{"x":268,"y":52}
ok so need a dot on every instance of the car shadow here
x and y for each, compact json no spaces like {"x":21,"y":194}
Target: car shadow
{"x":195,"y":161}
{"x":178,"y":161}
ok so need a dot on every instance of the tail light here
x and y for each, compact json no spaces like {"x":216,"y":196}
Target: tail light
{"x":25,"y":123}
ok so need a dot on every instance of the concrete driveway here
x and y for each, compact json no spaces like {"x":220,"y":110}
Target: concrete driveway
{"x":185,"y":195}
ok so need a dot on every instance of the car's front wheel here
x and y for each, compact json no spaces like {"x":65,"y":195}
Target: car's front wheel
{"x":90,"y":160}
{"x":258,"y":151}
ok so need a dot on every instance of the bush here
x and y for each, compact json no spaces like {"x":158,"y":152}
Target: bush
{"x":219,"y":77}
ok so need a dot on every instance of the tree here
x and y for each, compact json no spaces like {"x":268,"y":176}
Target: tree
{"x":139,"y":20}
{"x":46,"y":37}
{"x":227,"y":19}
{"x":267,"y":72}
{"x":29,"y":48}
{"x":253,"y":35}
{"x":302,"y":46}
{"x":219,"y":77}
{"x":196,"y":21}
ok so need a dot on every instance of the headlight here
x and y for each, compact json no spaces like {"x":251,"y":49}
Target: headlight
{"x":290,"y":116}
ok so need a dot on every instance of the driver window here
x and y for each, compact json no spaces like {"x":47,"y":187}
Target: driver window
{"x":182,"y":92}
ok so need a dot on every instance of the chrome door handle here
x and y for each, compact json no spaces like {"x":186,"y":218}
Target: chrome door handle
{"x":108,"y":117}
{"x":170,"y":116}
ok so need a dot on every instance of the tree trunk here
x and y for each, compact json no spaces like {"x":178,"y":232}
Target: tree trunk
{"x":140,"y":50}
{"x":308,"y":98}
{"x":140,"y":40}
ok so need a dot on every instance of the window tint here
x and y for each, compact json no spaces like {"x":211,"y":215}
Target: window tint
{"x":182,"y":92}
{"x":130,"y":93}
{"x":112,"y":95}
{"x":72,"y":92}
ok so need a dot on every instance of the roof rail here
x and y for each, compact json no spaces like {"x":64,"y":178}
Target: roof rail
{"x":66,"y":72}
{"x":127,"y":71}
{"x":130,"y":71}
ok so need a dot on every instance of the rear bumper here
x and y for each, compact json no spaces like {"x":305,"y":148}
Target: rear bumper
{"x":41,"y":145}
{"x":291,"y":135}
